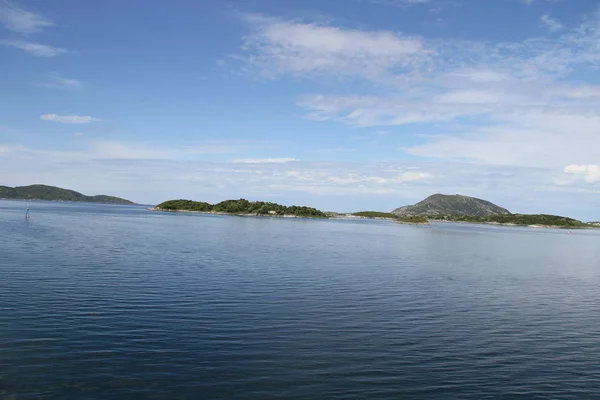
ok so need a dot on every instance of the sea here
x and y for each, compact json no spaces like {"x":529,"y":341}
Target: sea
{"x":118,"y":302}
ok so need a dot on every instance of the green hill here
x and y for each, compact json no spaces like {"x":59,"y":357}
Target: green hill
{"x":45,"y":192}
{"x":241,"y":206}
{"x":442,"y":204}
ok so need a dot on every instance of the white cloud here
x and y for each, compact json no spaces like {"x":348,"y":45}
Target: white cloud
{"x":577,"y":92}
{"x":371,"y":111}
{"x":481,"y":75}
{"x":37,"y":49}
{"x":264,"y":160}
{"x":589,"y":173}
{"x":473,"y":96}
{"x":502,"y":103}
{"x":79,"y":134}
{"x":56,"y":81}
{"x":20,"y":20}
{"x":278,"y":46}
{"x":536,"y":140}
{"x":69,"y":119}
{"x":551,"y":23}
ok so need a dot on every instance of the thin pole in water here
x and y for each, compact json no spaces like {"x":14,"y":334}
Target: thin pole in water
{"x":26,"y":211}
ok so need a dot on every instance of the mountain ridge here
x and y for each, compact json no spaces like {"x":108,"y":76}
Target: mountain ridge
{"x":443,"y":204}
{"x":54,"y":193}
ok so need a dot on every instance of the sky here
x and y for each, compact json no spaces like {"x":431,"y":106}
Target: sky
{"x":343,"y":105}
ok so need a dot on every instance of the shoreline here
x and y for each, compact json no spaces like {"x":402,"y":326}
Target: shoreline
{"x":343,"y":216}
{"x":234,"y":214}
{"x":73,"y":201}
{"x":411,"y":223}
{"x":509,"y":224}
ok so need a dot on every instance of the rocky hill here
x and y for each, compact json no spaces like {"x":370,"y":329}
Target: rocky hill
{"x":44,"y":192}
{"x":442,"y":204}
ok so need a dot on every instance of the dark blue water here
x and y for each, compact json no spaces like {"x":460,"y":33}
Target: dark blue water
{"x":114,"y":302}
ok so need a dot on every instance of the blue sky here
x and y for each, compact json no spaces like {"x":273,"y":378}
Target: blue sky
{"x":340,"y":104}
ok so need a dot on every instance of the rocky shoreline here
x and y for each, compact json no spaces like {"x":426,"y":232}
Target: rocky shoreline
{"x":411,"y":223}
{"x":234,"y":214}
{"x":516,"y":225}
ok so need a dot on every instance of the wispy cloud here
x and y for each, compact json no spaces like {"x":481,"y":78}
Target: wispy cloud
{"x":527,"y":139}
{"x":56,"y":81}
{"x":551,"y":23}
{"x":499,"y":103}
{"x":20,"y":20}
{"x":37,"y":49}
{"x":69,"y":119}
{"x":276,"y":47}
{"x":107,"y":149}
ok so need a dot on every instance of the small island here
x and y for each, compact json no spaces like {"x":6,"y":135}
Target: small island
{"x":374,"y":215}
{"x":530,"y":220}
{"x":241,"y":207}
{"x":401,"y":219}
{"x":411,"y":220}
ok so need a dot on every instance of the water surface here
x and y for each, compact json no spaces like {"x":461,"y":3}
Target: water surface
{"x":117,"y":302}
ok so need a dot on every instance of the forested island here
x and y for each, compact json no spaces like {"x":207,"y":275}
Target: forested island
{"x":374,"y":215}
{"x":541,"y":220}
{"x":53,"y":193}
{"x":241,"y":207}
{"x":411,"y":220}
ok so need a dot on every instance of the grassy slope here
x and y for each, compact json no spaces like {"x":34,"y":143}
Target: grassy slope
{"x":45,"y":192}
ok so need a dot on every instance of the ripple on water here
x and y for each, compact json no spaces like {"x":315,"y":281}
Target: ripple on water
{"x":101,"y":302}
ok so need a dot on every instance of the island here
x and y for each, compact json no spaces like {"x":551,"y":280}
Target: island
{"x":531,"y":220}
{"x":411,"y":220}
{"x":374,"y":215}
{"x":241,"y":207}
{"x":53,"y":193}
{"x":456,"y":204}
{"x":458,"y":208}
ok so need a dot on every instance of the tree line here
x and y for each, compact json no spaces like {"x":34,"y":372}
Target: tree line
{"x":517,"y":219}
{"x":242,"y":206}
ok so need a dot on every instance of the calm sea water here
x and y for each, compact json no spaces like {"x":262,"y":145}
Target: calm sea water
{"x":117,"y":302}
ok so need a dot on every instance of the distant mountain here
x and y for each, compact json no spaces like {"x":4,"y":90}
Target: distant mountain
{"x":443,"y":204}
{"x":44,"y":192}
